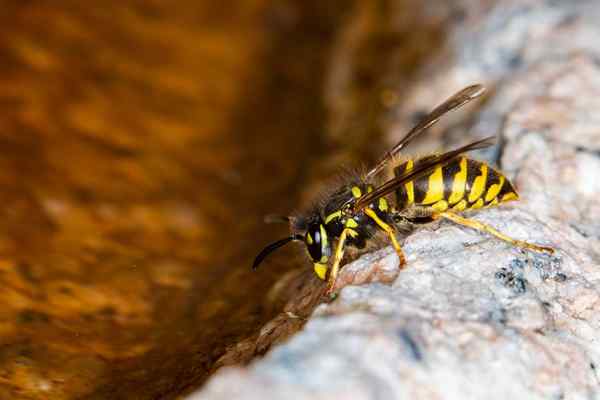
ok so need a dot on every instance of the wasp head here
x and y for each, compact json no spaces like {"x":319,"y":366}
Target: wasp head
{"x":318,"y":246}
{"x":314,"y":235}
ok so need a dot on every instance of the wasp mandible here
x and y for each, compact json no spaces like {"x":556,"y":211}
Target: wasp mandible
{"x":426,"y":189}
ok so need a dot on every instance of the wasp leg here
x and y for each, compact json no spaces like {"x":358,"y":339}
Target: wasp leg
{"x":339,"y":254}
{"x":486,"y":228}
{"x":391,"y":233}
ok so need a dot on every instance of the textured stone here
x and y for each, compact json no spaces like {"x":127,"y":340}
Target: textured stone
{"x":472,"y":317}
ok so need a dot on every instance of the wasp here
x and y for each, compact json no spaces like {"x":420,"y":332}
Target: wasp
{"x":437,"y":186}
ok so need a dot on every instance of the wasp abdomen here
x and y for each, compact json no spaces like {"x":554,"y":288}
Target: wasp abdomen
{"x":461,"y":184}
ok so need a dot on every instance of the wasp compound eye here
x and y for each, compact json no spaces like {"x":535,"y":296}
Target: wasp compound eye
{"x":317,"y":242}
{"x":313,"y":241}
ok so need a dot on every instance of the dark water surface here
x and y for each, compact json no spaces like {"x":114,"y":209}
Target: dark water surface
{"x":140,"y":145}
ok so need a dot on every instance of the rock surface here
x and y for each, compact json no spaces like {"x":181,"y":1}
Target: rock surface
{"x":472,"y":317}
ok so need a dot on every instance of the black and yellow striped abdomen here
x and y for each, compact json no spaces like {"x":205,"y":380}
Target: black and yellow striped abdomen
{"x":460,"y":185}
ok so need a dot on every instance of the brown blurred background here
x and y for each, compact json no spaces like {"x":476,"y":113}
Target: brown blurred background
{"x":141,"y":143}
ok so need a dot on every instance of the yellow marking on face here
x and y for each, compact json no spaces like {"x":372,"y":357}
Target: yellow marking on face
{"x":478,"y":184}
{"x":410,"y":187}
{"x":309,"y":239}
{"x":351,"y":223}
{"x":324,"y":259}
{"x":320,"y":270}
{"x":369,"y":189}
{"x":510,"y":196}
{"x":334,"y":215}
{"x":494,"y":190}
{"x":356,"y":192}
{"x":440,"y":206}
{"x":458,"y":184}
{"x":460,"y":206}
{"x":477,"y":204}
{"x":352,"y":233}
{"x":323,"y":236}
{"x":493,"y":203}
{"x":383,"y":204}
{"x":435,"y":189}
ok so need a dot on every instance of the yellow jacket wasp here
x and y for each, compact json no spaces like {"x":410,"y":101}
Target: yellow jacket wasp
{"x":428,"y":188}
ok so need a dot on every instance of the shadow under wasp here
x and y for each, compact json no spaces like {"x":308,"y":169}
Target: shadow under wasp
{"x":426,"y":189}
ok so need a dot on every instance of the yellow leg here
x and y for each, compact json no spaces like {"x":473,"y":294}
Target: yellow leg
{"x":486,"y":228}
{"x":339,"y":254}
{"x":391,"y":233}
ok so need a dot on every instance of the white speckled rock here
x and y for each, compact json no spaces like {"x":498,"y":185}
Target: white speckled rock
{"x":471,"y":317}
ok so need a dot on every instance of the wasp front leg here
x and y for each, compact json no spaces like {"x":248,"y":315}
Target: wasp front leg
{"x":337,"y":259}
{"x":391,"y":234}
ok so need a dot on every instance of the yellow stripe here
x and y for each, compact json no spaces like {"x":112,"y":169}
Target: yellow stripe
{"x":478,"y":184}
{"x":510,"y":196}
{"x":493,"y":203}
{"x":477,"y":204}
{"x":383,"y":204}
{"x":410,"y":187}
{"x":320,"y":270}
{"x":356,"y":192}
{"x":331,"y":216}
{"x":440,"y":206}
{"x":324,"y":243}
{"x":351,"y":223}
{"x":460,"y":206}
{"x":458,"y":184}
{"x":435,"y":188}
{"x":494,"y":190}
{"x":309,"y":239}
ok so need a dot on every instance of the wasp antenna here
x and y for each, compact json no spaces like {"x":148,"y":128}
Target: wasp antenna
{"x":276,"y":219}
{"x":272,"y":247}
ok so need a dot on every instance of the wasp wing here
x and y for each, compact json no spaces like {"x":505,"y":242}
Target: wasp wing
{"x":421,"y":169}
{"x":457,"y":100}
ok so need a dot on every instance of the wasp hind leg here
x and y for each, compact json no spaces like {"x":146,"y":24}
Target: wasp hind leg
{"x":486,"y":228}
{"x":391,"y":234}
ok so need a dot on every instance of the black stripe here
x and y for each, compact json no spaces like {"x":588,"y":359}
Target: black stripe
{"x":493,"y":177}
{"x":399,"y":169}
{"x":401,"y":195}
{"x":506,"y":188}
{"x":473,"y":171}
{"x":421,"y":185}
{"x":449,"y":172}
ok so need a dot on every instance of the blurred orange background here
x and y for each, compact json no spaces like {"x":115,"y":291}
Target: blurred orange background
{"x":141,"y":143}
